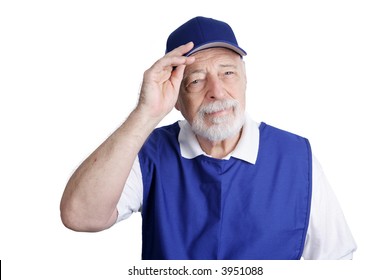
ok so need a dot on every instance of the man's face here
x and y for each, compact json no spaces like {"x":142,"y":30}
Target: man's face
{"x":212,"y":94}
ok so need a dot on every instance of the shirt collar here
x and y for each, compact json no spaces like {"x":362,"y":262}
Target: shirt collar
{"x":246,"y":149}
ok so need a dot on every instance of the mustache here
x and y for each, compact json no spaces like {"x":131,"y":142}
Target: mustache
{"x":218,"y":105}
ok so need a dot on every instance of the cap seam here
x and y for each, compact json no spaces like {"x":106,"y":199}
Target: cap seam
{"x":200,"y":29}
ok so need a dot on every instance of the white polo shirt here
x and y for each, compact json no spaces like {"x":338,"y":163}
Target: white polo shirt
{"x":328,"y":235}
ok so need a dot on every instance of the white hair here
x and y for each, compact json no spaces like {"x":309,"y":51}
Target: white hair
{"x":222,"y":127}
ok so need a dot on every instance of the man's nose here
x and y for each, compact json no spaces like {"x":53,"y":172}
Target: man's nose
{"x":215,"y":88}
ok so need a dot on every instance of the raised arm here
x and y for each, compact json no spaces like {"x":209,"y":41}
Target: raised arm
{"x":92,"y":193}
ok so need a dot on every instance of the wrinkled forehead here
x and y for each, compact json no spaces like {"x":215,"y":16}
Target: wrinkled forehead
{"x":213,"y":58}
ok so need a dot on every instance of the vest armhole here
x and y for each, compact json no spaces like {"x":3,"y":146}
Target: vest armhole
{"x":309,"y":194}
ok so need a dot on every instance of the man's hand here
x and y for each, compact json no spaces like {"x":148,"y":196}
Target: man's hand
{"x":161,"y":83}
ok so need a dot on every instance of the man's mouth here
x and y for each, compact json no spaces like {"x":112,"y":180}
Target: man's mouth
{"x":220,"y":113}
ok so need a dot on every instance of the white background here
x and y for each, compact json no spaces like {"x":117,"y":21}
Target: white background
{"x":70,"y":72}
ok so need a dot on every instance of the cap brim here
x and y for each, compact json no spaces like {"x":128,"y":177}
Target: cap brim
{"x":237,"y":49}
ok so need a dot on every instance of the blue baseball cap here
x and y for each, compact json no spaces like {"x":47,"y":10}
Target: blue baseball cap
{"x":204,"y":33}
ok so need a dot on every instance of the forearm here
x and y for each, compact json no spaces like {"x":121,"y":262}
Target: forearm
{"x":92,"y":193}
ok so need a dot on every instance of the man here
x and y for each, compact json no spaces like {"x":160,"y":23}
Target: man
{"x":217,"y":185}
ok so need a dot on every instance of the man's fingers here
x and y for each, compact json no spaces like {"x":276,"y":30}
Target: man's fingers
{"x":169,"y":63}
{"x":181,"y":50}
{"x":176,"y":57}
{"x":170,"y":66}
{"x":179,"y":60}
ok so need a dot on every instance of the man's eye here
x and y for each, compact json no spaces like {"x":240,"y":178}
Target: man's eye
{"x":196,"y":82}
{"x":195,"y":85}
{"x":229,"y":73}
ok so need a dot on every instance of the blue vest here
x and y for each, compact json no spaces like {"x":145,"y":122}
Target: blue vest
{"x":207,"y":208}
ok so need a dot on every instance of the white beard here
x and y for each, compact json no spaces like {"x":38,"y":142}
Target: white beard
{"x":222,"y":127}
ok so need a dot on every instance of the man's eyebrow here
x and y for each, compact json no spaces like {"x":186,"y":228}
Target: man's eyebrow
{"x":228,"y":65}
{"x":195,"y":71}
{"x":202,"y":71}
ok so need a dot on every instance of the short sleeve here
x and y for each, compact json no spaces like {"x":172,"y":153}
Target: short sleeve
{"x":328,"y":235}
{"x":131,"y":197}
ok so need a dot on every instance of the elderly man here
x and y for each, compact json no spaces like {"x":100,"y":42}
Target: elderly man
{"x":216,"y":185}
